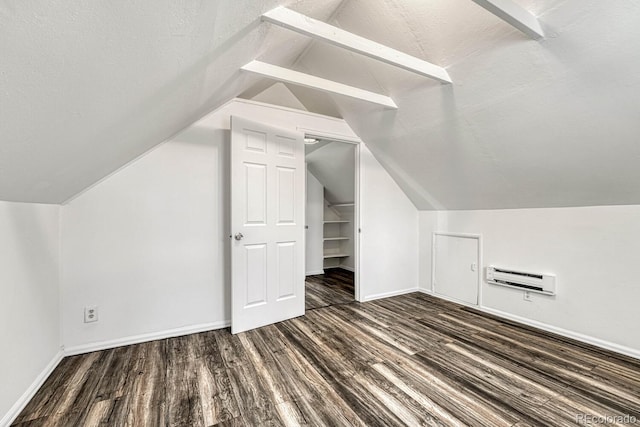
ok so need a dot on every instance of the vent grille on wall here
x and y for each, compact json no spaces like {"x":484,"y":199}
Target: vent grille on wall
{"x":534,"y":282}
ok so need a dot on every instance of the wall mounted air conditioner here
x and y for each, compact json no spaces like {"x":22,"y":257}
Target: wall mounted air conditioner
{"x":534,"y":282}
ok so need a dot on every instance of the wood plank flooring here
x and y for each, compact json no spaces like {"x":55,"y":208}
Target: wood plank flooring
{"x":333,"y":287}
{"x":409,"y":360}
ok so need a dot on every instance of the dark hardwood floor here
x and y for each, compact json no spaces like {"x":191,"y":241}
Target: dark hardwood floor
{"x":408,"y":360}
{"x":333,"y":287}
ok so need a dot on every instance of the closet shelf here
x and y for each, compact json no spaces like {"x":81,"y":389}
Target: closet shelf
{"x":336,"y":238}
{"x":340,"y":205}
{"x":341,"y":221}
{"x":336,"y":256}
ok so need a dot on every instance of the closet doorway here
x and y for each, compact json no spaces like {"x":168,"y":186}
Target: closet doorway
{"x":331,"y":229}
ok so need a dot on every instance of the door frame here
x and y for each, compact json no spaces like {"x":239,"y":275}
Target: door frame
{"x":308,"y":133}
{"x":479,"y":268}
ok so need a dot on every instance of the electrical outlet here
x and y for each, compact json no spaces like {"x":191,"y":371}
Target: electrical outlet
{"x":91,"y":313}
{"x":527,"y":296}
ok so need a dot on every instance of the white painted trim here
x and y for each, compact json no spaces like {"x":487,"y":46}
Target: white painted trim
{"x":463,"y":235}
{"x":606,"y":345}
{"x":358,"y":290}
{"x":433,"y":263}
{"x":287,"y":75}
{"x":314,"y":273}
{"x":566,"y":333}
{"x":327,"y":33}
{"x":514,"y":15}
{"x":446,"y":298}
{"x":321,"y":134}
{"x":346,"y":267}
{"x":20,"y":404}
{"x":137,"y":339}
{"x":390,"y":294}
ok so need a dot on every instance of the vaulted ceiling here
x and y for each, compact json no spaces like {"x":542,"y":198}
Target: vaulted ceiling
{"x":88,"y":86}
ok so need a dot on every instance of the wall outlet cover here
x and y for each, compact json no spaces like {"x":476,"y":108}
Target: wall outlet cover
{"x":91,"y":314}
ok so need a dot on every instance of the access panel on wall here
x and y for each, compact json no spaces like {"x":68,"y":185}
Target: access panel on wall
{"x":456,"y":260}
{"x":267,"y":224}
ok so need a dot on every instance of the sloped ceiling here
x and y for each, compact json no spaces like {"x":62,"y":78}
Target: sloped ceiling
{"x":333,"y":164}
{"x":85,"y":87}
{"x":88,"y":86}
{"x":279,"y":94}
{"x":526,"y":123}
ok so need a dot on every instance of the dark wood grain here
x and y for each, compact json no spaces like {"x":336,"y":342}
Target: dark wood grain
{"x":410,"y":360}
{"x":333,"y":287}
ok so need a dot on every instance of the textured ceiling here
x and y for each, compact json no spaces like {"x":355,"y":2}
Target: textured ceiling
{"x":85,"y":87}
{"x":526,"y":123}
{"x":333,"y":164}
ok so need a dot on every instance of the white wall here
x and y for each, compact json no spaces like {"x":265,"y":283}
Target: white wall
{"x":389,"y":238}
{"x":592,"y":250}
{"x":314,"y":232}
{"x":147,"y":245}
{"x":29,"y":309}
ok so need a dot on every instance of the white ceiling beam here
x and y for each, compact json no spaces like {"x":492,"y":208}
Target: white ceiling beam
{"x":301,"y":79}
{"x":514,"y":15}
{"x":319,"y":30}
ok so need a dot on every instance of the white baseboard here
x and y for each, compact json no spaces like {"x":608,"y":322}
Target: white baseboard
{"x":389,"y":294}
{"x":628,"y":351}
{"x":446,"y":298}
{"x":346,"y":267}
{"x":31,"y":391}
{"x":314,"y":273}
{"x":137,"y":339}
{"x":607,"y":345}
{"x":103,"y":345}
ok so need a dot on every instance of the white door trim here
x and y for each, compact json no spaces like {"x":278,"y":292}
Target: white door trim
{"x":358,"y":292}
{"x":478,"y":237}
{"x":314,"y":133}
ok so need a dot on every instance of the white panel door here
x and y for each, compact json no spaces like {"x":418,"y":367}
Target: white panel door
{"x":456,"y":267}
{"x":267,"y":224}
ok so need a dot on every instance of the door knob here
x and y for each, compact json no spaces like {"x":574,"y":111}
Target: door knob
{"x":239,"y":236}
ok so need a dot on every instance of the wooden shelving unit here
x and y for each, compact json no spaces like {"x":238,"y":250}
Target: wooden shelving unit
{"x":328,"y":256}
{"x":335,"y":237}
